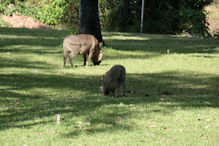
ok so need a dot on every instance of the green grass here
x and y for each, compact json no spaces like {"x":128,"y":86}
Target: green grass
{"x":34,"y":88}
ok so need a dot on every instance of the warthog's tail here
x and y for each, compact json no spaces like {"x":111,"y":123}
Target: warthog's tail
{"x":65,"y":52}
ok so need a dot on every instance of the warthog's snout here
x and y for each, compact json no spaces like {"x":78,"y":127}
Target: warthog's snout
{"x":97,"y":63}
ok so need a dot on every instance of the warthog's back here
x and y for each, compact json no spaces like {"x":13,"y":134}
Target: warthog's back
{"x":116,"y":74}
{"x":81,"y":39}
{"x":72,"y":39}
{"x":116,"y":70}
{"x":113,"y":79}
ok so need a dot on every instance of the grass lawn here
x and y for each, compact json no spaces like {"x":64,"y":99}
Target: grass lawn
{"x":176,"y":100}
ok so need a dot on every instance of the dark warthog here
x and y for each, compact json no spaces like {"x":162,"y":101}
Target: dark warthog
{"x":82,"y":44}
{"x":113,"y":79}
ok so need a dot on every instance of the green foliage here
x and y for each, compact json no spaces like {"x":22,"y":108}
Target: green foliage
{"x":107,"y":14}
{"x":119,"y":17}
{"x":4,"y":7}
{"x":73,"y":29}
{"x":51,"y":12}
{"x":167,"y":16}
{"x":159,"y":16}
{"x":176,"y":17}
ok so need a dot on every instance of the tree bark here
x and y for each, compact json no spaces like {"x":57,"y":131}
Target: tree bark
{"x":89,"y":19}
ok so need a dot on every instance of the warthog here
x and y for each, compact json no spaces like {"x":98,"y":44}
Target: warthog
{"x":113,"y":79}
{"x":82,"y":44}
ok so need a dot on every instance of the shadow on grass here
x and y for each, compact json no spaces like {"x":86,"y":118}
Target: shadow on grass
{"x":33,"y":32}
{"x":26,"y":97}
{"x":158,"y":44}
{"x":30,"y":42}
{"x":22,"y":63}
{"x":161,"y":43}
{"x":27,"y":38}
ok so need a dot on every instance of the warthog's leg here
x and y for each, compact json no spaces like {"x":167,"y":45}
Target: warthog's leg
{"x":117,"y":92}
{"x":85,"y":59}
{"x":112,"y":93}
{"x":90,"y":56}
{"x":65,"y":56}
{"x":64,"y":61}
{"x":124,"y":88}
{"x":70,"y":59}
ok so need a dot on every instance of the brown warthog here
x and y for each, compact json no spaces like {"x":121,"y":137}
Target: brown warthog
{"x":82,"y":44}
{"x":113,"y":79}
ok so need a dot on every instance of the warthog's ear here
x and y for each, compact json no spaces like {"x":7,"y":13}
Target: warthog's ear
{"x":100,"y":44}
{"x":100,"y":56}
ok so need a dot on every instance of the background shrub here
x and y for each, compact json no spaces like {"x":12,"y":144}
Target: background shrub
{"x":167,"y":16}
{"x":50,"y":12}
{"x":159,"y":16}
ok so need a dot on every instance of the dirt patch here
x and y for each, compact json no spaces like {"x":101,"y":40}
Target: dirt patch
{"x":23,"y":22}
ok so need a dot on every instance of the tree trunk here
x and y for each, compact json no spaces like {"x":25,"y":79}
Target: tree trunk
{"x":89,"y":19}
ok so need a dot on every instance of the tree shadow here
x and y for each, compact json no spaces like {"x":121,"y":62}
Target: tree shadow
{"x":23,"y":100}
{"x":185,"y":91}
{"x":23,"y":63}
{"x":148,"y":43}
{"x":53,"y":42}
{"x":33,"y":32}
{"x":31,"y":37}
{"x":179,"y":86}
{"x":26,"y":97}
{"x":159,"y":44}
